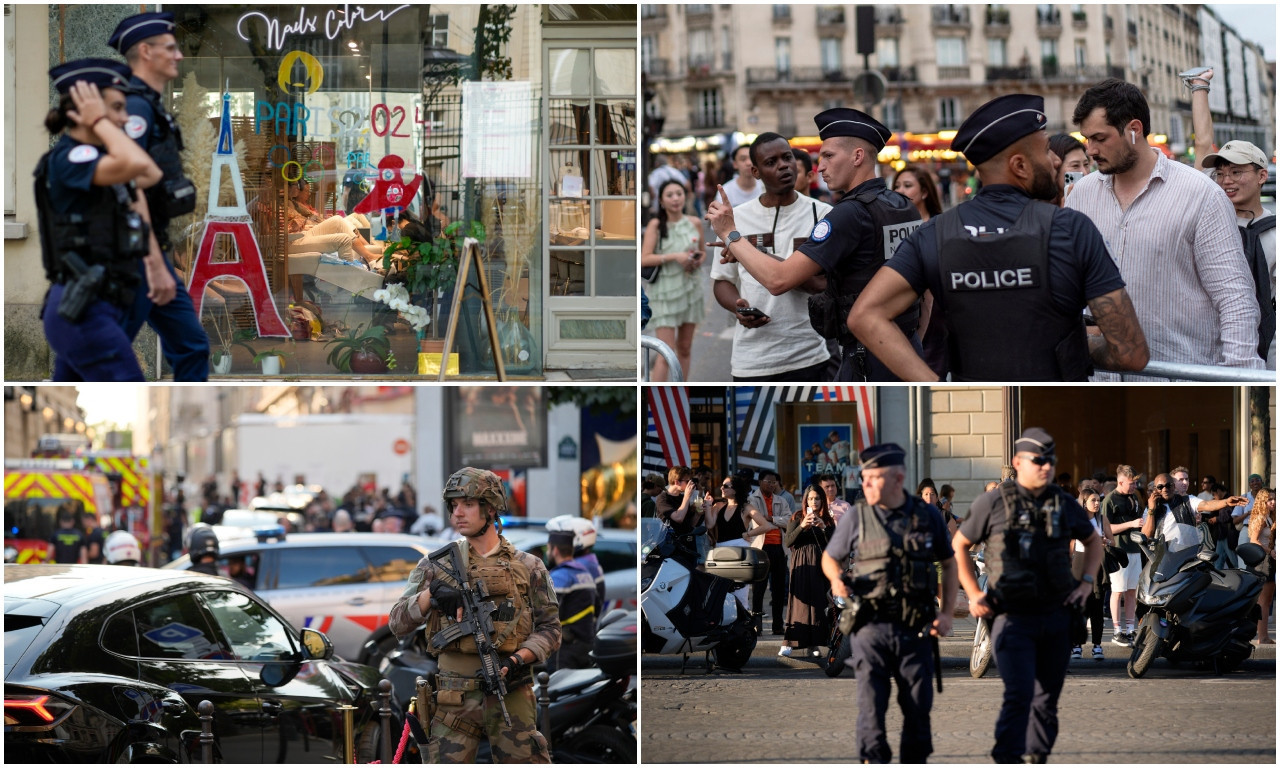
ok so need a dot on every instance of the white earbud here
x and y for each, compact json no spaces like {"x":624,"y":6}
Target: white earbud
{"x":1133,"y":137}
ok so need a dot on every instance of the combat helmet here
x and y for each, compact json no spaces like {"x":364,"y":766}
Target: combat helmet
{"x":472,"y":483}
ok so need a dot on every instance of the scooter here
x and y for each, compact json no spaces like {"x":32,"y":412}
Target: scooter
{"x":980,"y":656}
{"x":686,"y":610}
{"x":592,"y":711}
{"x":1197,"y":613}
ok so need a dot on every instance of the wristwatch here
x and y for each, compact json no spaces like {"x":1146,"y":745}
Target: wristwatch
{"x":733,"y":237}
{"x":1087,"y":578}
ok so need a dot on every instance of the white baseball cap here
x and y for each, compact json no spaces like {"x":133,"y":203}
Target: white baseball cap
{"x":1237,"y":153}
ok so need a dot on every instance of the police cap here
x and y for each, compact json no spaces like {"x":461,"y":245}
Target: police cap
{"x":883,"y":455}
{"x":843,"y":121}
{"x":1034,"y":441}
{"x":103,"y":73}
{"x":135,"y":29}
{"x":560,"y":539}
{"x":998,"y":124}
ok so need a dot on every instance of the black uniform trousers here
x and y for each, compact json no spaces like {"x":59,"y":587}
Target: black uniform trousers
{"x":852,"y":370}
{"x":883,"y":652}
{"x":777,"y":557}
{"x":1032,"y":651}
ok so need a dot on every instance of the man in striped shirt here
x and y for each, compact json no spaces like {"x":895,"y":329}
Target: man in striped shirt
{"x":1171,"y":232}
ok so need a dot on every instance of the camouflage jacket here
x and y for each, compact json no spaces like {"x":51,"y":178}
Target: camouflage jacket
{"x":544,"y":639}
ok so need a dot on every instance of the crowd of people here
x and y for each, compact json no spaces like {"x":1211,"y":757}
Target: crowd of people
{"x":1085,"y":273}
{"x":753,"y":509}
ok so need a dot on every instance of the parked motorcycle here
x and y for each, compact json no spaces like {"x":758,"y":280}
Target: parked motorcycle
{"x":685,"y":610}
{"x":593,"y":710}
{"x":1197,"y":613}
{"x":834,"y":661}
{"x":980,"y":656}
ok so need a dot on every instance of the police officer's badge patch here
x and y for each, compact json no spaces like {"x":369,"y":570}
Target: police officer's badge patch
{"x":821,"y":231}
{"x":135,"y":127}
{"x":85,"y":153}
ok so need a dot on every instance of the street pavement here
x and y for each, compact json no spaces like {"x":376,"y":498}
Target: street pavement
{"x":787,"y":711}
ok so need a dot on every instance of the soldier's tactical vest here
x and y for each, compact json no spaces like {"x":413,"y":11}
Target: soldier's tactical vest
{"x":1006,"y":275}
{"x":108,"y":232}
{"x":507,"y":580}
{"x":1029,"y":567}
{"x":829,"y":311}
{"x":894,"y":567}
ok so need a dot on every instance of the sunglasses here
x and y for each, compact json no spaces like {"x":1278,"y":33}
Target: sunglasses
{"x":1162,"y":486}
{"x":1040,"y":461}
{"x":726,"y":485}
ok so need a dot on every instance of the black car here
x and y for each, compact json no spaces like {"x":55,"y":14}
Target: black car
{"x":109,"y":664}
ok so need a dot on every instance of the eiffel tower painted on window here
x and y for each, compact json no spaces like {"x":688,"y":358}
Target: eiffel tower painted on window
{"x":233,"y":221}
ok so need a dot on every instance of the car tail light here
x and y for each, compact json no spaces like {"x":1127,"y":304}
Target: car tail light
{"x":34,"y":711}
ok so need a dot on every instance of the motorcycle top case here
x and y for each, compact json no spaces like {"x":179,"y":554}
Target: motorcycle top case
{"x":741,"y":564}
{"x":614,"y":647}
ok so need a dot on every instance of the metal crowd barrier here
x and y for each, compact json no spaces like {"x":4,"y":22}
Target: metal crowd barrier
{"x":1192,"y":372}
{"x":650,"y":343}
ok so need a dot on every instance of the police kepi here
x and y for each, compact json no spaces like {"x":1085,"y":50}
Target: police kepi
{"x":1027,"y":525}
{"x":996,"y":125}
{"x":140,"y":27}
{"x":892,"y":582}
{"x":90,"y":237}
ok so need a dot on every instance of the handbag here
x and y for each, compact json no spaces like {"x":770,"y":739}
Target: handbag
{"x":650,"y":274}
{"x":1114,"y":558}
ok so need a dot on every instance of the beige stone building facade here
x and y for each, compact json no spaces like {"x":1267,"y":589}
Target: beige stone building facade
{"x":716,"y":69}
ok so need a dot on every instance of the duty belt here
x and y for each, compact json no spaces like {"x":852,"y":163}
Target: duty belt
{"x":886,"y":610}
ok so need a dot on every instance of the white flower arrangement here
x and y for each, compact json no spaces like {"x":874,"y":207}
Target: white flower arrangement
{"x":397,"y":297}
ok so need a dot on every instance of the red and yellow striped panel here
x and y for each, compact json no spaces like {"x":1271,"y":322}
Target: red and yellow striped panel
{"x":70,"y":485}
{"x":135,"y":484}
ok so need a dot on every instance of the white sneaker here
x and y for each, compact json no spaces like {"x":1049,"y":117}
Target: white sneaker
{"x":1098,"y":654}
{"x":785,"y":651}
{"x":1075,"y":652}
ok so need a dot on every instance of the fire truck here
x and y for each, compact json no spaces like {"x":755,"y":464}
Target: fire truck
{"x":111,"y":484}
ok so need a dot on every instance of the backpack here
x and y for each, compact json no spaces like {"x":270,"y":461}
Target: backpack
{"x":1251,"y":239}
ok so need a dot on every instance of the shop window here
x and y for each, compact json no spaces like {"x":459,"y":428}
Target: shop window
{"x":338,"y":119}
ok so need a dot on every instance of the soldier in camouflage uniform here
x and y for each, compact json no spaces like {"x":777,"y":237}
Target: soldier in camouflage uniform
{"x":527,"y":631}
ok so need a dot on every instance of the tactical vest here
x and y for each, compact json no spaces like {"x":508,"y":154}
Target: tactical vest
{"x":108,"y":232}
{"x":1006,"y":275}
{"x":829,"y":310}
{"x":1028,"y":566}
{"x":894,"y":566}
{"x":175,"y":195}
{"x":507,"y":579}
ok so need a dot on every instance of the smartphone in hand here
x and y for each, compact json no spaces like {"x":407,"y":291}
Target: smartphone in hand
{"x":752,"y":312}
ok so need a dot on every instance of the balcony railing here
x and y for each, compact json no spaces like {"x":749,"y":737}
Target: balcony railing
{"x":829,"y":17}
{"x":700,"y":66}
{"x":1008,"y":73}
{"x":888,"y":14}
{"x":1079,"y":19}
{"x":953,"y":73}
{"x":652,"y":12}
{"x":950,"y":16}
{"x":997,"y":17}
{"x":694,"y":10}
{"x":1049,"y":18}
{"x":809,"y":76}
{"x":706,"y":120}
{"x":658,"y":67}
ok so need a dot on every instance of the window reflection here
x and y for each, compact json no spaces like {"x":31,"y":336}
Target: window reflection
{"x":254,"y":634}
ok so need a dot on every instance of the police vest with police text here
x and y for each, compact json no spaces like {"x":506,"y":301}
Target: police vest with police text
{"x":107,"y":232}
{"x":892,"y":226}
{"x":1028,"y":566}
{"x":895,"y":561}
{"x":1001,"y":319}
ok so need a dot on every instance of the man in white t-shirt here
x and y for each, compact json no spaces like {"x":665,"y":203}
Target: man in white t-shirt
{"x":745,"y":185}
{"x":1175,"y":516}
{"x":781,"y":345}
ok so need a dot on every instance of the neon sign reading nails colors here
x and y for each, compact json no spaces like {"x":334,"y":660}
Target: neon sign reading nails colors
{"x":335,"y":22}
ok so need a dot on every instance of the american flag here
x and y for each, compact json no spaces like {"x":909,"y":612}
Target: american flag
{"x":668,"y":430}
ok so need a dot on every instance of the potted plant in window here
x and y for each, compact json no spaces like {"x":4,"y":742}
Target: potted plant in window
{"x":362,"y":350}
{"x":271,"y":360}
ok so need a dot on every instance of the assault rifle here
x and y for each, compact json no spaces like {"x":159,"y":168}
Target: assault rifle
{"x":477,"y":621}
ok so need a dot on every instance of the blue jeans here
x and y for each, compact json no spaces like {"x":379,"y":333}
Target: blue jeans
{"x":94,"y":349}
{"x":182,"y":338}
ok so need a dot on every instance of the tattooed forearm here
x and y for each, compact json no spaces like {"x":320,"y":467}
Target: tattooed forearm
{"x":1123,"y":345}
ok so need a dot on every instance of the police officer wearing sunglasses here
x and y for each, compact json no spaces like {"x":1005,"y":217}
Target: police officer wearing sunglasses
{"x":1027,"y":525}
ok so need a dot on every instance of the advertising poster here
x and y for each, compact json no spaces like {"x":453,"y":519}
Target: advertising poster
{"x":823,"y":449}
{"x":498,"y":427}
{"x":497,"y":137}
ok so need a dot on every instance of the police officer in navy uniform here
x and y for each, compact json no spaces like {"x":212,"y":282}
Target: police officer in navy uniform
{"x":148,"y":44}
{"x":894,"y":540}
{"x":93,"y":223}
{"x":1028,"y":526}
{"x":1008,"y":271}
{"x":846,"y":247}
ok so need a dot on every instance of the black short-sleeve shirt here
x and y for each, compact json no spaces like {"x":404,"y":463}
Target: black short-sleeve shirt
{"x":986,"y":517}
{"x":667,"y":503}
{"x":1120,"y":507}
{"x":845,"y":239}
{"x":1080,"y":266}
{"x":844,"y":542}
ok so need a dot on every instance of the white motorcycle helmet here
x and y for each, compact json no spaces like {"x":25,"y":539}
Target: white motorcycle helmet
{"x":584,"y":533}
{"x":121,"y":548}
